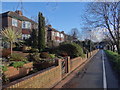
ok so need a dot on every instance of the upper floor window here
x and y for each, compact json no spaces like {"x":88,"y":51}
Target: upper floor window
{"x":14,"y":22}
{"x":62,"y":35}
{"x":26,"y":24}
{"x":58,"y":34}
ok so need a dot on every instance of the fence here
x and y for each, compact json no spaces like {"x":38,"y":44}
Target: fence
{"x":49,"y":77}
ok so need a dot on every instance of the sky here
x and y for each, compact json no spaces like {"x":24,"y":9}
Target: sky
{"x":63,"y":16}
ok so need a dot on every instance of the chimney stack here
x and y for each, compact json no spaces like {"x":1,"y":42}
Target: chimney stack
{"x":19,"y":12}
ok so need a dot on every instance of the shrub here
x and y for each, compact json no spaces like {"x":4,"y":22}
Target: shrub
{"x":5,"y":80}
{"x":4,"y":68}
{"x":72,"y":49}
{"x":63,"y":54}
{"x":34,"y":50}
{"x":26,"y":48}
{"x":17,"y":64}
{"x":17,"y":57}
{"x":6,"y":52}
{"x":52,"y":55}
{"x":34,"y":57}
{"x":44,"y":55}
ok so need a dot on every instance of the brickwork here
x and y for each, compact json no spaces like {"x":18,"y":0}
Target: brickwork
{"x":75,"y":63}
{"x":41,"y":79}
{"x":48,"y":77}
{"x":13,"y":73}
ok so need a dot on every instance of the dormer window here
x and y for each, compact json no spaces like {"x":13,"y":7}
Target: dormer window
{"x":14,"y":22}
{"x":26,"y":25}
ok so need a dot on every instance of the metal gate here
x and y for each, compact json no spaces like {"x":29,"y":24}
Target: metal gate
{"x":64,"y":65}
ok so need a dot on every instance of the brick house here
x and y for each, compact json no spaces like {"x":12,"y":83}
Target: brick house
{"x":17,"y":21}
{"x":55,"y":37}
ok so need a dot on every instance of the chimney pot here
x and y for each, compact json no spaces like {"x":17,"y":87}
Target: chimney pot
{"x":19,"y":12}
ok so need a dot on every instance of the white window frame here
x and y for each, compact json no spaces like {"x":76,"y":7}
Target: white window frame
{"x":58,"y":34}
{"x":14,"y":22}
{"x":26,"y":24}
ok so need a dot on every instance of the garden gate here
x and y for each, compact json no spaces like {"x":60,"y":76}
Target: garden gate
{"x":64,"y":65}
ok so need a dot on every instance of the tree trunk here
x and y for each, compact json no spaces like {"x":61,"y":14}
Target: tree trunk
{"x":118,"y":50}
{"x":11,"y":47}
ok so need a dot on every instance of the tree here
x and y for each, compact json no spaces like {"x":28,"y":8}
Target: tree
{"x":34,"y":38}
{"x":10,"y":35}
{"x":41,"y":32}
{"x":105,"y":15}
{"x":74,"y":34}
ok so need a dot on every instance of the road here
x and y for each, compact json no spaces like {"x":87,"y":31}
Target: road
{"x":96,"y":74}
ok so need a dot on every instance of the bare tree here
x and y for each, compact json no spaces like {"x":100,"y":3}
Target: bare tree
{"x":105,"y":15}
{"x":74,"y":33}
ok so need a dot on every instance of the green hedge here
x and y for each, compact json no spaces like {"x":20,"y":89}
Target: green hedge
{"x":71,"y":49}
{"x":115,"y":59}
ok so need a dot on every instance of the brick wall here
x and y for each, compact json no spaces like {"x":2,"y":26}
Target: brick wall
{"x":13,"y":73}
{"x":74,"y":63}
{"x":41,"y":79}
{"x":49,"y":77}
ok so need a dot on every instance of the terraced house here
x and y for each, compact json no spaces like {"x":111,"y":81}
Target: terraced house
{"x":17,"y":21}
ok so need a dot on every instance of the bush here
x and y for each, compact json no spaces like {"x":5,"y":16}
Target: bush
{"x":52,"y":55}
{"x":34,"y":57}
{"x":17,"y":64}
{"x":17,"y":57}
{"x":5,"y":80}
{"x":63,"y":54}
{"x":6,"y":52}
{"x":72,"y":49}
{"x":44,"y":55}
{"x":4,"y":68}
{"x":34,"y":50}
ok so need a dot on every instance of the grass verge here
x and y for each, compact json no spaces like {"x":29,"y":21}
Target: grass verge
{"x":115,"y":60}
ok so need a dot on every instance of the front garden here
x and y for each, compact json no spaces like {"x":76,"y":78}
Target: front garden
{"x":25,"y":57}
{"x":32,"y":61}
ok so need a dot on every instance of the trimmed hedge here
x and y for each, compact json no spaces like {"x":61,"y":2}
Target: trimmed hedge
{"x":71,"y":49}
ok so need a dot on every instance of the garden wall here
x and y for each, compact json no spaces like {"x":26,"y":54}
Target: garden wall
{"x":13,"y":73}
{"x":74,"y":63}
{"x":49,"y":77}
{"x":41,"y":79}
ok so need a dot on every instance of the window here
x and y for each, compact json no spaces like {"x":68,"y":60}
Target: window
{"x":14,"y":22}
{"x":62,"y":35}
{"x":58,"y":34}
{"x":26,"y":24}
{"x":25,"y":36}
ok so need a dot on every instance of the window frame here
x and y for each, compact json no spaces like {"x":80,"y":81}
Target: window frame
{"x":14,"y":22}
{"x":26,"y":24}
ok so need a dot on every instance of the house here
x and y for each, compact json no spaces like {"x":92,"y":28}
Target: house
{"x":55,"y":37}
{"x":17,"y":21}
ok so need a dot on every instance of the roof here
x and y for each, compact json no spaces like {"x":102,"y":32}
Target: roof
{"x":52,"y":29}
{"x":16,"y":16}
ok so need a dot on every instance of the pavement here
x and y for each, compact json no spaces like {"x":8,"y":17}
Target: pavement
{"x":98,"y":73}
